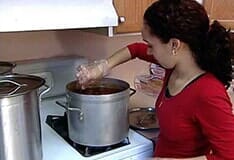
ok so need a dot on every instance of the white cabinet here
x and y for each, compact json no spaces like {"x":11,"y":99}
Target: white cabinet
{"x":24,"y":15}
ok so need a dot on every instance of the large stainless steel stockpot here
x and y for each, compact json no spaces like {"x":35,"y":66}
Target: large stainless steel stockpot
{"x":20,"y":134}
{"x":98,"y":115}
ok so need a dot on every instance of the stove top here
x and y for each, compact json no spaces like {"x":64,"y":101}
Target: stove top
{"x":58,"y":146}
{"x":60,"y":125}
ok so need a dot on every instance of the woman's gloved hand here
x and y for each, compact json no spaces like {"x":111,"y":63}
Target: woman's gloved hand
{"x":88,"y":73}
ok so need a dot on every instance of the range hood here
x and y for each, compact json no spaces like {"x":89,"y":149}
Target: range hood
{"x":32,"y":15}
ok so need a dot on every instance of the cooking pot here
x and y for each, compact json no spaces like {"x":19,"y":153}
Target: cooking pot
{"x":98,"y":115}
{"x":6,"y":67}
{"x":20,"y":134}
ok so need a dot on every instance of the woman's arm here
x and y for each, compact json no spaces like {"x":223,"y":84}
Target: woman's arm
{"x":88,"y":73}
{"x":131,"y":51}
{"x":119,"y":57}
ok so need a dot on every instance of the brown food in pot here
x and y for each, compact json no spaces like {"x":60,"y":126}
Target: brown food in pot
{"x":101,"y":87}
{"x":98,"y":91}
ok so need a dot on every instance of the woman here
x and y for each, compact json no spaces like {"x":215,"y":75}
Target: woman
{"x":193,"y":108}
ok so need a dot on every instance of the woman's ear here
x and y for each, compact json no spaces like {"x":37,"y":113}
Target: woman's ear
{"x":175,"y":45}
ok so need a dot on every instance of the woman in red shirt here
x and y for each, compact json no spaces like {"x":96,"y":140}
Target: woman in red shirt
{"x":193,"y":108}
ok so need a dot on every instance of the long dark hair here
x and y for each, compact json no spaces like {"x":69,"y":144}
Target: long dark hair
{"x":187,"y":21}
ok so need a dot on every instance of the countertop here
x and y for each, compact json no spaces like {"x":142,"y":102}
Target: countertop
{"x":151,"y":134}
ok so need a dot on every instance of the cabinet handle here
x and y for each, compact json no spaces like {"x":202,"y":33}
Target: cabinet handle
{"x":122,"y":19}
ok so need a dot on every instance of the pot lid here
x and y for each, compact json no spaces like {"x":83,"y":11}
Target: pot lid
{"x":17,"y":84}
{"x":6,"y":67}
{"x":143,"y":118}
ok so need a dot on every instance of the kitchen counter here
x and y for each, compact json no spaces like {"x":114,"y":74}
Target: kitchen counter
{"x":151,"y":134}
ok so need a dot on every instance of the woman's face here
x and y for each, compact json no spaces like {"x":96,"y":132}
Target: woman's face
{"x":161,"y":51}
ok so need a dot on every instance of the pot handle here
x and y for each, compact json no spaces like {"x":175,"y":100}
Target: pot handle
{"x":65,"y":104}
{"x":12,"y":91}
{"x":47,"y":89}
{"x":133,"y":91}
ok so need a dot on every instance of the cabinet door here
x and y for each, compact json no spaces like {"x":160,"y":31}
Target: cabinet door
{"x":130,"y":14}
{"x":221,"y":10}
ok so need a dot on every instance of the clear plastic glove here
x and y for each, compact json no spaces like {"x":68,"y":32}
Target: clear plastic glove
{"x":89,"y":73}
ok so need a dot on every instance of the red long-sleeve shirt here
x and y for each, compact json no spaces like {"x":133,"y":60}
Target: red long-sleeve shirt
{"x":197,"y":121}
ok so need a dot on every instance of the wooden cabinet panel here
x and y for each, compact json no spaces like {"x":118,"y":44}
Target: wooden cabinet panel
{"x":221,"y":10}
{"x":131,"y":11}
